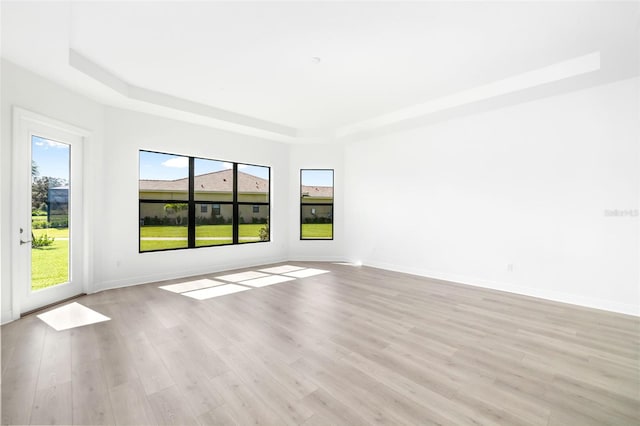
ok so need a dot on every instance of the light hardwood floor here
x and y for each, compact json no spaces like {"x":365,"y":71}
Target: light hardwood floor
{"x":355,"y":346}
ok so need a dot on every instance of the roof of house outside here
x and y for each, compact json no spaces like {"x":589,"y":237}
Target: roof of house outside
{"x":317,"y":191}
{"x":222,"y":181}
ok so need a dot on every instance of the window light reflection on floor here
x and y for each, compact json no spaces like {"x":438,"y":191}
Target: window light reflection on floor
{"x":242,"y":276}
{"x":281,"y":269}
{"x":203,"y":289}
{"x":76,"y":315}
{"x":265,"y":281}
{"x":71,"y":316}
{"x":190,"y":285}
{"x":221,"y":290}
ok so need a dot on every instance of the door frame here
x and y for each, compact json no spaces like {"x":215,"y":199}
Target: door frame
{"x":24,"y":121}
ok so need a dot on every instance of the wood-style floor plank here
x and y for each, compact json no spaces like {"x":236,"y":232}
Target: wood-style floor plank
{"x":90,"y":394}
{"x":53,"y":405}
{"x":130,"y":404}
{"x":355,"y":346}
{"x":170,"y":407}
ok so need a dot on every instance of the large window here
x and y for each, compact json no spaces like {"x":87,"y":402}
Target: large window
{"x":188,"y":202}
{"x":316,"y":204}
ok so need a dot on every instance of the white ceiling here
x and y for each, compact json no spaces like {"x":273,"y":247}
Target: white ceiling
{"x":257,"y":59}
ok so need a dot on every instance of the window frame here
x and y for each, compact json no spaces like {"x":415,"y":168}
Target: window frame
{"x":236,"y":217}
{"x":314,"y":205}
{"x":192,"y":202}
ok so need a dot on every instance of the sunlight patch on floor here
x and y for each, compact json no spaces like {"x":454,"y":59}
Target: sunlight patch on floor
{"x":242,"y":276}
{"x":265,"y":281}
{"x":203,"y":289}
{"x":71,"y":316}
{"x":190,"y":285}
{"x":221,"y":290}
{"x":282,"y":269}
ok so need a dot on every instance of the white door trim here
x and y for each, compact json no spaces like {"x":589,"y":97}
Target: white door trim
{"x":23,"y":121}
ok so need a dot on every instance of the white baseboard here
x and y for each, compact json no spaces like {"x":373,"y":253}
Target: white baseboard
{"x":556,"y":296}
{"x":7,"y":317}
{"x":316,"y":259}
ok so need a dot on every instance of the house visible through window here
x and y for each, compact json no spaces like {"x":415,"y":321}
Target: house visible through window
{"x":316,"y":204}
{"x":188,"y":202}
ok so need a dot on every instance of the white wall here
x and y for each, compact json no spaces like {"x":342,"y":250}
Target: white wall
{"x":22,"y":88}
{"x":526,"y":186}
{"x":126,"y":132}
{"x":316,"y":156}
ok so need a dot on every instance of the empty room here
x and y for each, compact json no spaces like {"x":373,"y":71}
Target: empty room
{"x":320,"y":213}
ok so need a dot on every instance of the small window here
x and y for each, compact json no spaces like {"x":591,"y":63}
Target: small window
{"x":256,"y":209}
{"x":316,"y":204}
{"x":216,"y":209}
{"x":203,"y":208}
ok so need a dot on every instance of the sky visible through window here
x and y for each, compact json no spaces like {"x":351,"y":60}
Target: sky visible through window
{"x":159,"y":166}
{"x":52,"y":158}
{"x":317,"y":177}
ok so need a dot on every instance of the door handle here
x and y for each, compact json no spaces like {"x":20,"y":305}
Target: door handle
{"x":21,"y":241}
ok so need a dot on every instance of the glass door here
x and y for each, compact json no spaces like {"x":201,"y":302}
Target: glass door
{"x":48,"y":212}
